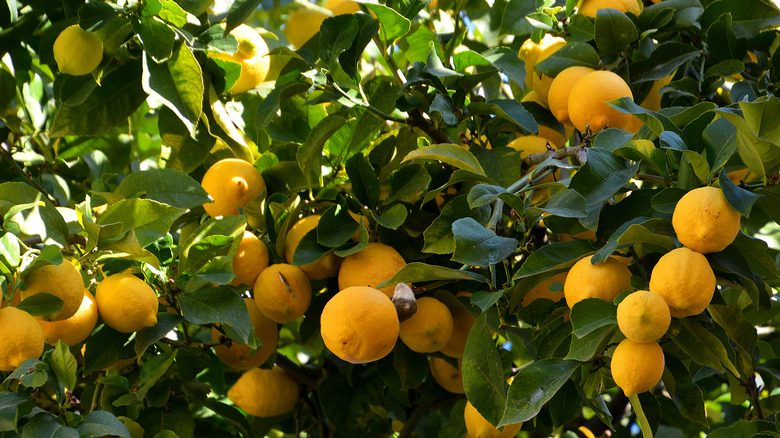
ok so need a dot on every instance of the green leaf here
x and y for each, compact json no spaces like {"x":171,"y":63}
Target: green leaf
{"x":64,"y":365}
{"x":392,"y":25}
{"x":270,"y":105}
{"x":452,"y":154}
{"x":762,"y":157}
{"x":740,"y":199}
{"x":417,"y":271}
{"x":309,"y":250}
{"x":93,"y":16}
{"x":752,"y":428}
{"x":556,"y":255}
{"x":631,"y":233}
{"x":585,"y":348}
{"x":591,"y":314}
{"x":336,"y":36}
{"x":158,"y":38}
{"x":483,"y":376}
{"x":720,"y":143}
{"x":309,"y":155}
{"x":614,"y":31}
{"x":168,"y":186}
{"x":119,"y":95}
{"x":45,"y":424}
{"x":349,"y":59}
{"x":446,"y":109}
{"x":219,"y":304}
{"x":746,"y":21}
{"x":533,"y":386}
{"x":180,"y":150}
{"x":149,"y":219}
{"x":149,"y":335}
{"x":102,"y":423}
{"x":239,"y":12}
{"x":511,"y":110}
{"x":477,"y":246}
{"x":41,"y":220}
{"x":178,"y":84}
{"x":343,"y":401}
{"x":507,"y":62}
{"x":741,"y":332}
{"x":687,"y":396}
{"x":663,"y":61}
{"x":41,"y":304}
{"x":723,"y":42}
{"x":566,"y":203}
{"x":13,"y":407}
{"x":365,"y":183}
{"x":336,"y":226}
{"x":215,"y":237}
{"x":104,"y":348}
{"x":702,"y":346}
{"x":393,"y":217}
{"x":10,"y":254}
{"x":407,"y":182}
{"x":439,"y":237}
{"x":569,"y":55}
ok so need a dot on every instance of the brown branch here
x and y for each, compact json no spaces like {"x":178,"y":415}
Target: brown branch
{"x":438,"y":136}
{"x":296,"y":371}
{"x":661,"y":181}
{"x":577,"y":152}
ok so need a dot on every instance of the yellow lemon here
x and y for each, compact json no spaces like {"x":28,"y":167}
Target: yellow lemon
{"x":232,"y":183}
{"x":241,"y":356}
{"x":637,"y":367}
{"x":282,"y":292}
{"x":374,"y":265}
{"x":359,"y":324}
{"x":704,"y":220}
{"x":302,"y":24}
{"x":22,"y":338}
{"x":264,"y":393}
{"x":250,"y":260}
{"x":684,"y":279}
{"x":325,"y":267}
{"x":76,"y":51}
{"x":643,"y":316}
{"x":588,"y":99}
{"x":126,"y":303}
{"x":252,"y":55}
{"x":542,"y":82}
{"x":542,"y":290}
{"x":561,"y":86}
{"x":605,"y":280}
{"x":479,"y":427}
{"x":75,"y":329}
{"x":430,"y":328}
{"x":590,"y":7}
{"x":446,"y":375}
{"x":63,"y":281}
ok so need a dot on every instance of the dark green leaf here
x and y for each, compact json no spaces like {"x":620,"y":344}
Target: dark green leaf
{"x":102,"y":423}
{"x":585,"y":348}
{"x":744,"y":428}
{"x":507,"y":62}
{"x":336,"y":35}
{"x":41,"y":304}
{"x":452,"y":154}
{"x":168,"y":186}
{"x":239,"y":11}
{"x":556,"y":255}
{"x":349,"y":59}
{"x":392,"y":25}
{"x":483,"y":377}
{"x":591,"y":314}
{"x":180,"y":150}
{"x":45,"y":424}
{"x":407,"y":182}
{"x":13,"y":407}
{"x":533,"y":386}
{"x":416,"y":272}
{"x":444,"y":106}
{"x":309,"y":155}
{"x":149,"y":335}
{"x":439,"y":237}
{"x":746,"y":21}
{"x":365,"y":183}
{"x":105,"y":347}
{"x":64,"y":365}
{"x":158,"y":38}
{"x":93,"y":16}
{"x":336,"y":227}
{"x":702,"y":346}
{"x":687,"y":396}
{"x":477,"y":246}
{"x":663,"y":61}
{"x":392,"y":217}
{"x":508,"y":109}
{"x":614,"y":31}
{"x":41,"y":220}
{"x":569,"y":55}
{"x":219,"y":304}
{"x":740,"y":199}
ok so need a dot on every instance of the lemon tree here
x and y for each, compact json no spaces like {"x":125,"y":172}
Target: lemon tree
{"x":390,"y":218}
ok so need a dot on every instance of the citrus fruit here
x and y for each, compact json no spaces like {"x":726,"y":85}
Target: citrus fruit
{"x":637,"y":367}
{"x":479,"y":427}
{"x":250,"y":260}
{"x":231,"y":183}
{"x":529,"y":52}
{"x":558,"y":97}
{"x":531,"y":96}
{"x":429,"y":329}
{"x":75,"y":329}
{"x":264,"y":392}
{"x":588,"y":101}
{"x":341,"y":7}
{"x":327,"y":266}
{"x":22,"y":338}
{"x":542,"y":290}
{"x":462,"y":321}
{"x":282,"y":292}
{"x":241,"y":356}
{"x":704,"y":220}
{"x":652,"y":102}
{"x":530,"y":144}
{"x":359,"y":324}
{"x":76,"y":51}
{"x":126,"y":303}
{"x":373,"y":265}
{"x":643,"y":316}
{"x":605,"y":280}
{"x":542,"y":82}
{"x":554,"y":136}
{"x":362,"y":220}
{"x":684,"y":279}
{"x":63,"y":281}
{"x":252,"y":55}
{"x":590,"y":7}
{"x":302,"y":24}
{"x":446,"y":375}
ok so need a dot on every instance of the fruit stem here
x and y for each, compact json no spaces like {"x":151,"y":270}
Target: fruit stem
{"x":95,"y":395}
{"x":644,"y":425}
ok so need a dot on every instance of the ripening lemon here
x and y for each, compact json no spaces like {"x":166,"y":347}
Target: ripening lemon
{"x":250,"y":260}
{"x":652,"y":102}
{"x":126,"y":303}
{"x":529,"y":53}
{"x":643,"y":316}
{"x":531,"y":96}
{"x":685,"y":280}
{"x":479,"y":427}
{"x":429,"y":329}
{"x":462,"y":321}
{"x":359,"y":324}
{"x":77,"y":51}
{"x":252,"y":55}
{"x":22,"y":338}
{"x":241,"y":356}
{"x":590,"y":7}
{"x":542,"y":290}
{"x":264,"y":392}
{"x":605,"y":280}
{"x":542,"y":82}
{"x":232,"y":183}
{"x":558,"y":97}
{"x":63,"y":281}
{"x":327,"y":266}
{"x":554,"y":136}
{"x":342,"y":7}
{"x":302,"y":24}
{"x":637,"y":367}
{"x":282,"y":292}
{"x":75,"y":329}
{"x":373,"y":265}
{"x":588,"y":101}
{"x":446,"y":375}
{"x":705,"y":221}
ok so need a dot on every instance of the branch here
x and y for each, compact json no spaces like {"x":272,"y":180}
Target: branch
{"x":577,"y":152}
{"x":296,"y":371}
{"x":418,"y":412}
{"x":416,"y":119}
{"x":18,"y":169}
{"x":661,"y":181}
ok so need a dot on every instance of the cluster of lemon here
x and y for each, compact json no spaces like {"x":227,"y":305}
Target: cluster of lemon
{"x":124,"y":302}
